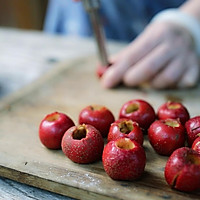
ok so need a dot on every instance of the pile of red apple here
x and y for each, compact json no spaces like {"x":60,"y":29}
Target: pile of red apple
{"x":171,"y":132}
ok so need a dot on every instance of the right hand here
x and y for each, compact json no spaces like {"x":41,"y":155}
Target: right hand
{"x":162,"y":56}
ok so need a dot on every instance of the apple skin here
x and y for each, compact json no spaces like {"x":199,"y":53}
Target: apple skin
{"x":124,"y":159}
{"x":196,"y":145}
{"x":83,"y":144}
{"x":98,"y":116}
{"x":125,"y":128}
{"x":173,"y":110}
{"x":166,"y":135}
{"x":138,"y":110}
{"x":192,"y":129}
{"x":182,"y":170}
{"x":52,"y":129}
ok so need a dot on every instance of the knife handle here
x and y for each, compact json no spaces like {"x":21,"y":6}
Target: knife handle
{"x":92,"y":7}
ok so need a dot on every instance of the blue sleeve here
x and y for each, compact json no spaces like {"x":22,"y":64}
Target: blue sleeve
{"x":122,"y":19}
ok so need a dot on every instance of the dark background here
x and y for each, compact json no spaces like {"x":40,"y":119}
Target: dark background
{"x":25,"y":14}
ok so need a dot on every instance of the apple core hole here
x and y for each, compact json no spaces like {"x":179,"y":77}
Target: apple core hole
{"x":53,"y":117}
{"x":132,"y":108}
{"x":96,"y":107}
{"x":193,"y":159}
{"x":173,"y":106}
{"x":79,"y":133}
{"x":125,"y":143}
{"x":125,"y":127}
{"x":172,"y":123}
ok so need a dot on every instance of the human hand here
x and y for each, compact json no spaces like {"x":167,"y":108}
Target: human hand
{"x":162,"y":56}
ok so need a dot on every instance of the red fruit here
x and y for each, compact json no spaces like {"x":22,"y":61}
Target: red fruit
{"x":196,"y":145}
{"x":98,"y":116}
{"x":83,"y":144}
{"x":124,"y":159}
{"x":182,"y":170}
{"x":173,"y":110}
{"x":193,"y":129}
{"x":125,"y":128}
{"x":52,"y":129}
{"x":166,"y":135}
{"x":101,"y":70}
{"x":139,"y":111}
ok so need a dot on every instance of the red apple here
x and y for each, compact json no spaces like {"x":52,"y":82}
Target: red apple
{"x":138,"y":110}
{"x":193,"y":129}
{"x":166,"y":135}
{"x":83,"y":144}
{"x":173,"y":110}
{"x":124,"y":159}
{"x":125,"y":128}
{"x":182,"y":170}
{"x":98,"y":116}
{"x":101,"y":70}
{"x":52,"y":129}
{"x":196,"y":145}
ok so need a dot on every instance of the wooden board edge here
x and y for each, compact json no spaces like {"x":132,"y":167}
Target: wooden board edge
{"x":45,"y":184}
{"x":14,"y":97}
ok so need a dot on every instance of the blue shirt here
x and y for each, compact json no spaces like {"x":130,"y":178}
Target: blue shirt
{"x":123,"y":20}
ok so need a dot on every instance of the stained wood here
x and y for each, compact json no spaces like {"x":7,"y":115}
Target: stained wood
{"x":68,"y":88}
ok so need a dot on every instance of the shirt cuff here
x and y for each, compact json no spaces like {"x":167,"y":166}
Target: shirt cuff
{"x":185,"y":20}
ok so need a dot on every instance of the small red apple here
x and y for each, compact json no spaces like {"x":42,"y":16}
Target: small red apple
{"x":124,"y":159}
{"x":125,"y":128}
{"x":182,"y":170}
{"x":52,"y":129}
{"x":138,"y":110}
{"x":98,"y":116}
{"x":173,"y":110}
{"x":196,"y":145}
{"x":83,"y":144}
{"x":101,"y":70}
{"x":192,"y":129}
{"x":166,"y":135}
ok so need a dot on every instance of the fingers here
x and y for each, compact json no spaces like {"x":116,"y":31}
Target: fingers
{"x":150,"y":65}
{"x":171,"y":74}
{"x":141,"y":46}
{"x":191,"y":75}
{"x":128,"y":57}
{"x":114,"y":74}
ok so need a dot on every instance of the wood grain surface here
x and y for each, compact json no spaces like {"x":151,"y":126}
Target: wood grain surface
{"x":68,"y":88}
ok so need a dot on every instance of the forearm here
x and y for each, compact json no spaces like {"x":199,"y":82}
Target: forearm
{"x":192,"y":7}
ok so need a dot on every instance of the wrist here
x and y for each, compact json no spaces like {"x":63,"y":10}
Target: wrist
{"x":185,"y":20}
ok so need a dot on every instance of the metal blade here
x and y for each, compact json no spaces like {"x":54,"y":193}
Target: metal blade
{"x":92,"y":7}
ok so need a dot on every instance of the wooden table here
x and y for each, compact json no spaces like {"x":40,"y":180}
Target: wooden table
{"x":24,"y":57}
{"x":68,"y":87}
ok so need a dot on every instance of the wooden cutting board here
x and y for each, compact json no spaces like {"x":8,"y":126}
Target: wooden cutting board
{"x":68,"y":88}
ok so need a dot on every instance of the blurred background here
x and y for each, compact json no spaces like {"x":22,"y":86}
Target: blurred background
{"x":25,"y":14}
{"x":26,"y":51}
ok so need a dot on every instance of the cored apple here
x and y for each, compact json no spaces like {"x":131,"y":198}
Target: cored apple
{"x":193,"y":129}
{"x":52,"y":129}
{"x":125,"y":128}
{"x":173,"y":110}
{"x":98,"y":116}
{"x":138,"y":110}
{"x":124,"y":159}
{"x":182,"y":170}
{"x":166,"y":135}
{"x":196,"y":145}
{"x":83,"y":144}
